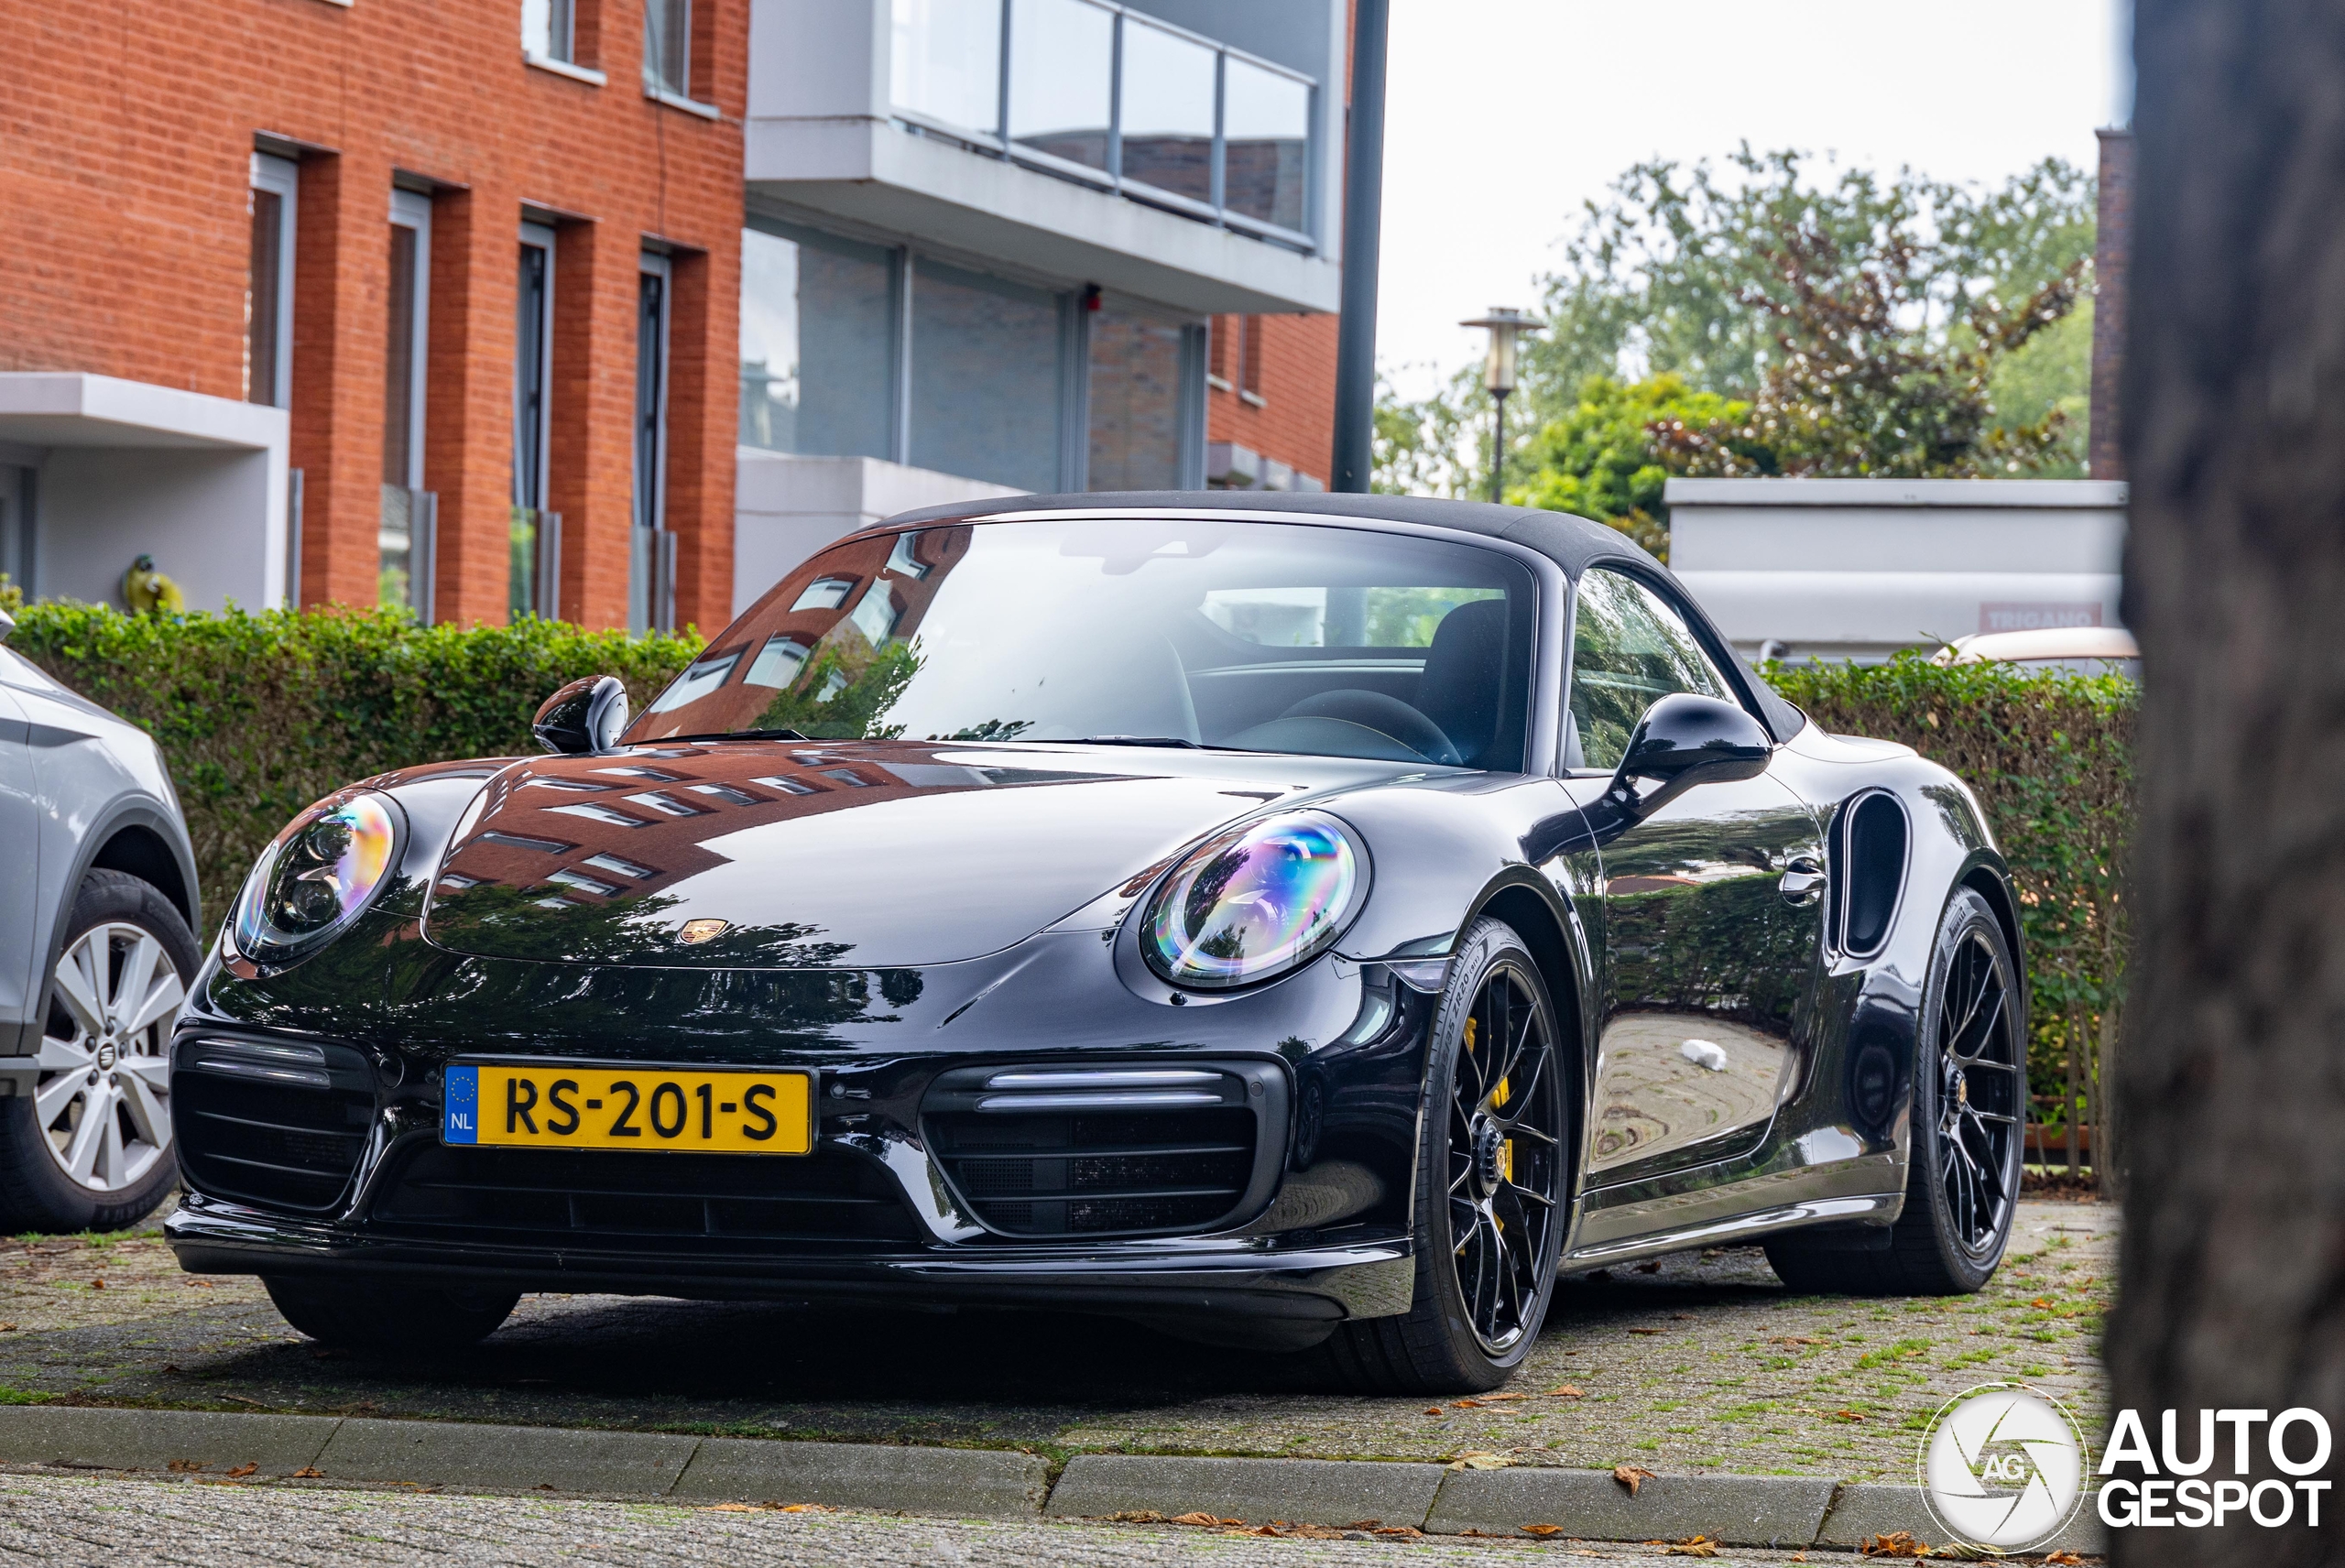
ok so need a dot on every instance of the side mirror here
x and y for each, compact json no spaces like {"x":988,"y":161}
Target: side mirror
{"x":1685,"y":740}
{"x":584,"y":718}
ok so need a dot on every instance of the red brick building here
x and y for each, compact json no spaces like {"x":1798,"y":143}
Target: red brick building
{"x":1270,"y":411}
{"x":473,"y":279}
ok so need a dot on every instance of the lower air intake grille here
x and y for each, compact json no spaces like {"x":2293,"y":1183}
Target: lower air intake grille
{"x":689,"y":1204}
{"x":1139,"y":1149}
{"x":279,"y":1123}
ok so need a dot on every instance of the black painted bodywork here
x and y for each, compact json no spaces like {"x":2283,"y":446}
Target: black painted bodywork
{"x":988,"y":923}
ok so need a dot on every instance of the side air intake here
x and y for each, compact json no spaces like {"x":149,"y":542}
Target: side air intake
{"x":1139,"y":1149}
{"x":1868,"y":844}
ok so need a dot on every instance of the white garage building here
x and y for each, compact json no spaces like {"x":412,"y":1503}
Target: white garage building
{"x":1860,"y":567}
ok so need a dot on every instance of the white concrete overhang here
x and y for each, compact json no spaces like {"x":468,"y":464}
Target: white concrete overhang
{"x":875,"y":173}
{"x":74,"y":408}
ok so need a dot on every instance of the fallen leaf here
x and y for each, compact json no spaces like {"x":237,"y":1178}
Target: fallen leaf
{"x":1798,"y":1339}
{"x":1494,"y":1399}
{"x":1466,"y":1405}
{"x":1694,"y":1546}
{"x":6,"y":1327}
{"x":805,"y":1509}
{"x":1199,"y":1518}
{"x":1567,"y":1392}
{"x":2040,"y":1301}
{"x":1401,"y":1530}
{"x":1138,"y":1516}
{"x":1543,"y":1531}
{"x":2063,"y":1557}
{"x":1433,"y":1409}
{"x":1846,"y":1415}
{"x":1365,"y":1524}
{"x":730,"y":1508}
{"x":1653,"y":1267}
{"x":1648,"y":1330}
{"x":1633,"y":1476}
{"x":548,"y":1486}
{"x":1896,"y":1543}
{"x":168,"y":1366}
{"x":185,"y":1466}
{"x":97,"y":1284}
{"x":1480,"y":1461}
{"x":309,"y":1473}
{"x":240,"y":1471}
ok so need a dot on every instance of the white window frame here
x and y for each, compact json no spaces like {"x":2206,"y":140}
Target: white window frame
{"x":653,"y":265}
{"x":410,"y":209}
{"x":281,"y":177}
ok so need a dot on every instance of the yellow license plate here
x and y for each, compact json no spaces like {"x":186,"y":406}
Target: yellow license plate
{"x":567,"y":1106}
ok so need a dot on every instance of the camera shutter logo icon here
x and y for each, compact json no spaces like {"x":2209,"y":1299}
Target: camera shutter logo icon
{"x":2002,"y":1467}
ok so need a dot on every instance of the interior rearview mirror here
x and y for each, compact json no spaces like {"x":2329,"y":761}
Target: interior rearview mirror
{"x":584,"y":718}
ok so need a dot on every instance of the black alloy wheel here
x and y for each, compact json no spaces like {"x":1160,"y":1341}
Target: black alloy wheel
{"x":1963,"y":1169}
{"x":1493,"y":1186}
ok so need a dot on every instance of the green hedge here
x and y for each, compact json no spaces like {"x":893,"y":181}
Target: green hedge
{"x":260,"y":715}
{"x":2050,"y":757}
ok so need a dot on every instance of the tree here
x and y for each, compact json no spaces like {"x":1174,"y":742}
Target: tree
{"x":1598,"y":458}
{"x":1703,"y":272}
{"x":2231,"y":1084}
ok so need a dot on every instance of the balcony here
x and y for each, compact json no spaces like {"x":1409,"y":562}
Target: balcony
{"x":1082,"y":141}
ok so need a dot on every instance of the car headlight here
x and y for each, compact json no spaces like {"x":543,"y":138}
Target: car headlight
{"x":316,"y":876}
{"x":1254,"y":902}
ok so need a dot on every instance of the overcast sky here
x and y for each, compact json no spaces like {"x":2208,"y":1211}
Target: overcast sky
{"x":1505,"y":116}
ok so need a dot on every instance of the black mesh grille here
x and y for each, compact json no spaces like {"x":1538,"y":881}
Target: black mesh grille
{"x":695,"y":1203}
{"x":280,"y":1124}
{"x":1031,"y":1158}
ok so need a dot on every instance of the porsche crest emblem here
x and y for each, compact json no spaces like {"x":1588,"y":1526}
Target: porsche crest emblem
{"x":697,"y":931}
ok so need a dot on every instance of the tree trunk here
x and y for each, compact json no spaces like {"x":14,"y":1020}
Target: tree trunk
{"x":2076,"y":1032}
{"x":2233,"y":1288}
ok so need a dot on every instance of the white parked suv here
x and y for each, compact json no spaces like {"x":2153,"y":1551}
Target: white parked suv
{"x":97,"y":910}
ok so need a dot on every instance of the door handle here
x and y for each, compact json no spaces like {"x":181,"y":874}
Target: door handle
{"x":1803,"y":880}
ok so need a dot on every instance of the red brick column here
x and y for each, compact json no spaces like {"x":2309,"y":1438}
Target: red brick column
{"x":703,"y":352}
{"x":592,"y":414}
{"x":468,"y":408}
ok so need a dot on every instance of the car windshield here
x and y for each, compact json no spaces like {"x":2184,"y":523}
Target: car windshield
{"x":1257,"y":637}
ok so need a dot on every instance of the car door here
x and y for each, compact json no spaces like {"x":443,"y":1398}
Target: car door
{"x":1712,"y":910}
{"x":20,"y":873}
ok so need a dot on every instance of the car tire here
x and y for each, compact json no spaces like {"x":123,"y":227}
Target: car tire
{"x":128,"y":922}
{"x":1479,"y":1302}
{"x":1962,"y":1174}
{"x":385,"y":1317}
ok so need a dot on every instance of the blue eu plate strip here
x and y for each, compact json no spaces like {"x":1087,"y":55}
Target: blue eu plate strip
{"x":460,"y":1097}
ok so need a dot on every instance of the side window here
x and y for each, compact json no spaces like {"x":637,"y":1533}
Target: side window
{"x":1631,"y":648}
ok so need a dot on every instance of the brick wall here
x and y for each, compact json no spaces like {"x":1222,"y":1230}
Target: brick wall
{"x":1294,"y":422}
{"x":125,"y":136}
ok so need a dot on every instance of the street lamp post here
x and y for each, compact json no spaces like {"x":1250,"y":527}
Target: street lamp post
{"x":1505,"y":324}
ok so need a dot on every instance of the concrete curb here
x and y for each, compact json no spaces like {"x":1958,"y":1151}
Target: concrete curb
{"x":1781,"y":1511}
{"x":1299,"y":1491}
{"x":1871,"y":1508}
{"x":1741,"y":1510}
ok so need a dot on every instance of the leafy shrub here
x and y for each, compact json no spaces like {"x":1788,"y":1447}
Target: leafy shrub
{"x":259,"y":715}
{"x":2050,"y":757}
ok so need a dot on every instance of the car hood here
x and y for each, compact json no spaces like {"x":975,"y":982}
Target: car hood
{"x":860,"y":855}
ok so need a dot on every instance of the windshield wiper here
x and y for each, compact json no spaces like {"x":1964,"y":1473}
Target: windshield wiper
{"x":742,"y":734}
{"x":1119,"y":740}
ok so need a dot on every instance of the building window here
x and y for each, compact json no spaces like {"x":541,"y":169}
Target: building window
{"x":1266,"y":137}
{"x":269,"y":299}
{"x":549,"y":30}
{"x":1250,"y":360}
{"x":651,"y":586}
{"x":668,"y":47}
{"x":987,"y":377}
{"x":535,"y":535}
{"x":1136,"y":405}
{"x":1217,"y":363}
{"x":1168,"y":111}
{"x":407,"y":533}
{"x":818,"y":336}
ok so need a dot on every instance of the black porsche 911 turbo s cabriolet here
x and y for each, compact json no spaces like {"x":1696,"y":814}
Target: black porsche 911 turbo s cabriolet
{"x":1309,"y":922}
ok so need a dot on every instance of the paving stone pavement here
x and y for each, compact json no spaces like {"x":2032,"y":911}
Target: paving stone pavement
{"x":72,"y":1521}
{"x":1702,"y":1363}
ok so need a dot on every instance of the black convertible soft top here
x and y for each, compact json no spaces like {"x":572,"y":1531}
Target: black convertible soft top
{"x":1571,"y":542}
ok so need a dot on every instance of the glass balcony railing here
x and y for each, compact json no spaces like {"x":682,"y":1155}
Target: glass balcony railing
{"x":1100,"y":93}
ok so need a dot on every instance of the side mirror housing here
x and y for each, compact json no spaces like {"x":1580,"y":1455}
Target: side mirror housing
{"x":584,"y":718}
{"x":1685,"y":740}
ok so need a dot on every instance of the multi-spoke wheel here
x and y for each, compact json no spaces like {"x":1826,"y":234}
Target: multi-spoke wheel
{"x":1962,"y":1176}
{"x":1493,"y":1182}
{"x":91,"y":1146}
